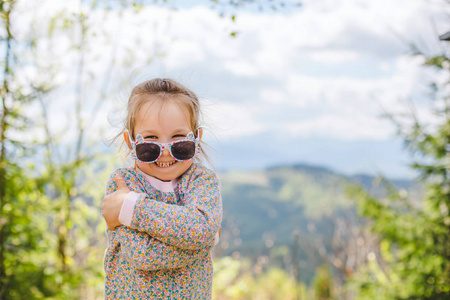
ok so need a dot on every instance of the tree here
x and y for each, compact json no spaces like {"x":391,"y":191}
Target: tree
{"x":413,"y":261}
{"x":23,"y":205}
{"x":48,"y":219}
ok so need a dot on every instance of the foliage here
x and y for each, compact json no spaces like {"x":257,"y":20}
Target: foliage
{"x":238,"y":279}
{"x":50,"y":217}
{"x":413,"y":261}
{"x":23,"y":239}
{"x":323,"y":284}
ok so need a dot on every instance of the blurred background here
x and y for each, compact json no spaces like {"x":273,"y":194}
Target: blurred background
{"x":328,"y":123}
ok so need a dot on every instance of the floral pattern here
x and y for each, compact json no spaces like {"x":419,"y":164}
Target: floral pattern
{"x":165,"y":253}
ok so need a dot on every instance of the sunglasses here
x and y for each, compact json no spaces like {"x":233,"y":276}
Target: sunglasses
{"x":149,"y":151}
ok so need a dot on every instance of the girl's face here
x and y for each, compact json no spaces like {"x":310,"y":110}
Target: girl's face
{"x":163,"y":122}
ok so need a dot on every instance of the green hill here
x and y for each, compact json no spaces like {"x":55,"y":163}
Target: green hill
{"x":262,"y":209}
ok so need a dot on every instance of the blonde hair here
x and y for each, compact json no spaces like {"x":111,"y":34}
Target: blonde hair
{"x":165,"y":90}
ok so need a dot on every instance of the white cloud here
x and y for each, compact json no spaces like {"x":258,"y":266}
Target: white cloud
{"x":228,"y":120}
{"x":346,"y":127}
{"x":184,"y":54}
{"x":241,"y":68}
{"x":273,"y":96}
{"x":333,"y":57}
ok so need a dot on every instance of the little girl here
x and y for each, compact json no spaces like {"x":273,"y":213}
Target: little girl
{"x":162,"y":214}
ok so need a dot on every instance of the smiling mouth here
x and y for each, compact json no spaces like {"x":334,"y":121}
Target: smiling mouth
{"x":165,"y":164}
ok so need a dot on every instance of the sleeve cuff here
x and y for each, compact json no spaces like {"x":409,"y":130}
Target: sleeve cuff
{"x":126,"y":212}
{"x":216,"y":238}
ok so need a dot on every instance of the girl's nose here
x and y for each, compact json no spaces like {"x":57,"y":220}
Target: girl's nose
{"x":165,"y":153}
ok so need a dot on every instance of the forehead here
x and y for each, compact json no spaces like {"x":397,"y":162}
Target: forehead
{"x":162,"y":115}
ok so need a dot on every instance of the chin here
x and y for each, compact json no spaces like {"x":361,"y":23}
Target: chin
{"x":165,"y":177}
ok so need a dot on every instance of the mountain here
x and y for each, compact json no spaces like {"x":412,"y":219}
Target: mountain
{"x":262,"y":209}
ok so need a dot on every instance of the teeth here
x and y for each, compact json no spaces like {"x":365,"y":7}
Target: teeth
{"x":164,"y":164}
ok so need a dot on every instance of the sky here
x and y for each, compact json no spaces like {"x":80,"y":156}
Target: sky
{"x":301,"y":84}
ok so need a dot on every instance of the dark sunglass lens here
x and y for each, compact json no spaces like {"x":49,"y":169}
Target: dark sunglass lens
{"x":147,"y":152}
{"x":183,"y":150}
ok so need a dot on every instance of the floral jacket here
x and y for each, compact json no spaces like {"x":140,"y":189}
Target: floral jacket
{"x":164,"y":253}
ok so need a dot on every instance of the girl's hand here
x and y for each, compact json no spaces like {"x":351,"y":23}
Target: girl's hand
{"x":112,"y":203}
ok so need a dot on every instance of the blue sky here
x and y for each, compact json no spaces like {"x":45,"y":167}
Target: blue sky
{"x":302,"y":85}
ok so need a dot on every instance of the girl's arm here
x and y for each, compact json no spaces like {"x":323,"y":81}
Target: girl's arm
{"x":143,"y":251}
{"x":148,"y":254}
{"x":190,"y":226}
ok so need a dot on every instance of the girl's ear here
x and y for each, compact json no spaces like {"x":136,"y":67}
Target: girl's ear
{"x":200,"y":133}
{"x":126,"y":137}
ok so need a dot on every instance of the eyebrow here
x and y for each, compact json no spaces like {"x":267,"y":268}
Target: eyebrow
{"x":181,"y":130}
{"x":147,"y":132}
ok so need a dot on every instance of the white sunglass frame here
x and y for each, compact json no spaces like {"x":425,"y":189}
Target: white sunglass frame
{"x":190,"y":137}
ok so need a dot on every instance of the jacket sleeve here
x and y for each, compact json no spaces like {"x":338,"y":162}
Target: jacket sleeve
{"x":147,"y":253}
{"x":142,"y":250}
{"x":192,"y":225}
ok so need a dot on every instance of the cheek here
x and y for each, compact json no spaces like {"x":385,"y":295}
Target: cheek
{"x":187,"y":164}
{"x":143,"y":166}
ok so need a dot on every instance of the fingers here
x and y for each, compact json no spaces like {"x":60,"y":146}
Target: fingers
{"x":120,"y":182}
